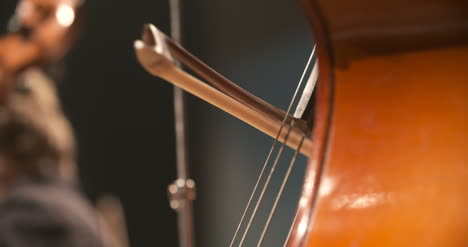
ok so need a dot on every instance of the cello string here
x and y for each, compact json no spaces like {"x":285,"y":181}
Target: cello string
{"x":262,"y":193}
{"x":290,"y":228}
{"x":254,"y":190}
{"x":280,"y":192}
{"x":278,"y":156}
{"x":267,"y":161}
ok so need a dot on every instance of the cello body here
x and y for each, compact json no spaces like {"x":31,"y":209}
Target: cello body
{"x":390,"y":159}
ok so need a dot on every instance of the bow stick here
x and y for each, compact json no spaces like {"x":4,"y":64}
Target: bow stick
{"x":156,"y":54}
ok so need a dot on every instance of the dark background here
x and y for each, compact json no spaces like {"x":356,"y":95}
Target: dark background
{"x":123,"y":117}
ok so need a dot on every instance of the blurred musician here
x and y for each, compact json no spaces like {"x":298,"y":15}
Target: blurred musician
{"x":40,"y":204}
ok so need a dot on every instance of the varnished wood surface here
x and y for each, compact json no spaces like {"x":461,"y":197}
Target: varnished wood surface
{"x":398,"y":161}
{"x":394,"y":168}
{"x":357,"y":29}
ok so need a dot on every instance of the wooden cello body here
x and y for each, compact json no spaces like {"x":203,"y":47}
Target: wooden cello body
{"x":390,"y":159}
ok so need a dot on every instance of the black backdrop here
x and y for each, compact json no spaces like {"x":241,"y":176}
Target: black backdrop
{"x":123,"y":116}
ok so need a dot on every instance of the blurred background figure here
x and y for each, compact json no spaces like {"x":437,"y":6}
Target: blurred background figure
{"x":40,"y":203}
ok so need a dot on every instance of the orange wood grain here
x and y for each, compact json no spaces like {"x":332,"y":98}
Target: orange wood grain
{"x":397,"y":170}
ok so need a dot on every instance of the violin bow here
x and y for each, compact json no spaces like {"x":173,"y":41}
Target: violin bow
{"x":157,"y":54}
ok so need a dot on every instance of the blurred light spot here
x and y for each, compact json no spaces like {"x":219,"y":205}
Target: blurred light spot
{"x":172,"y":189}
{"x":180,"y":182}
{"x":24,"y":9}
{"x":327,"y":185}
{"x":302,"y":228}
{"x":366,"y":201}
{"x":175,"y":204}
{"x":65,"y":15}
{"x":358,"y":201}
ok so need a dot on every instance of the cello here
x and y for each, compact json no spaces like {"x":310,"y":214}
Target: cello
{"x":387,"y":147}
